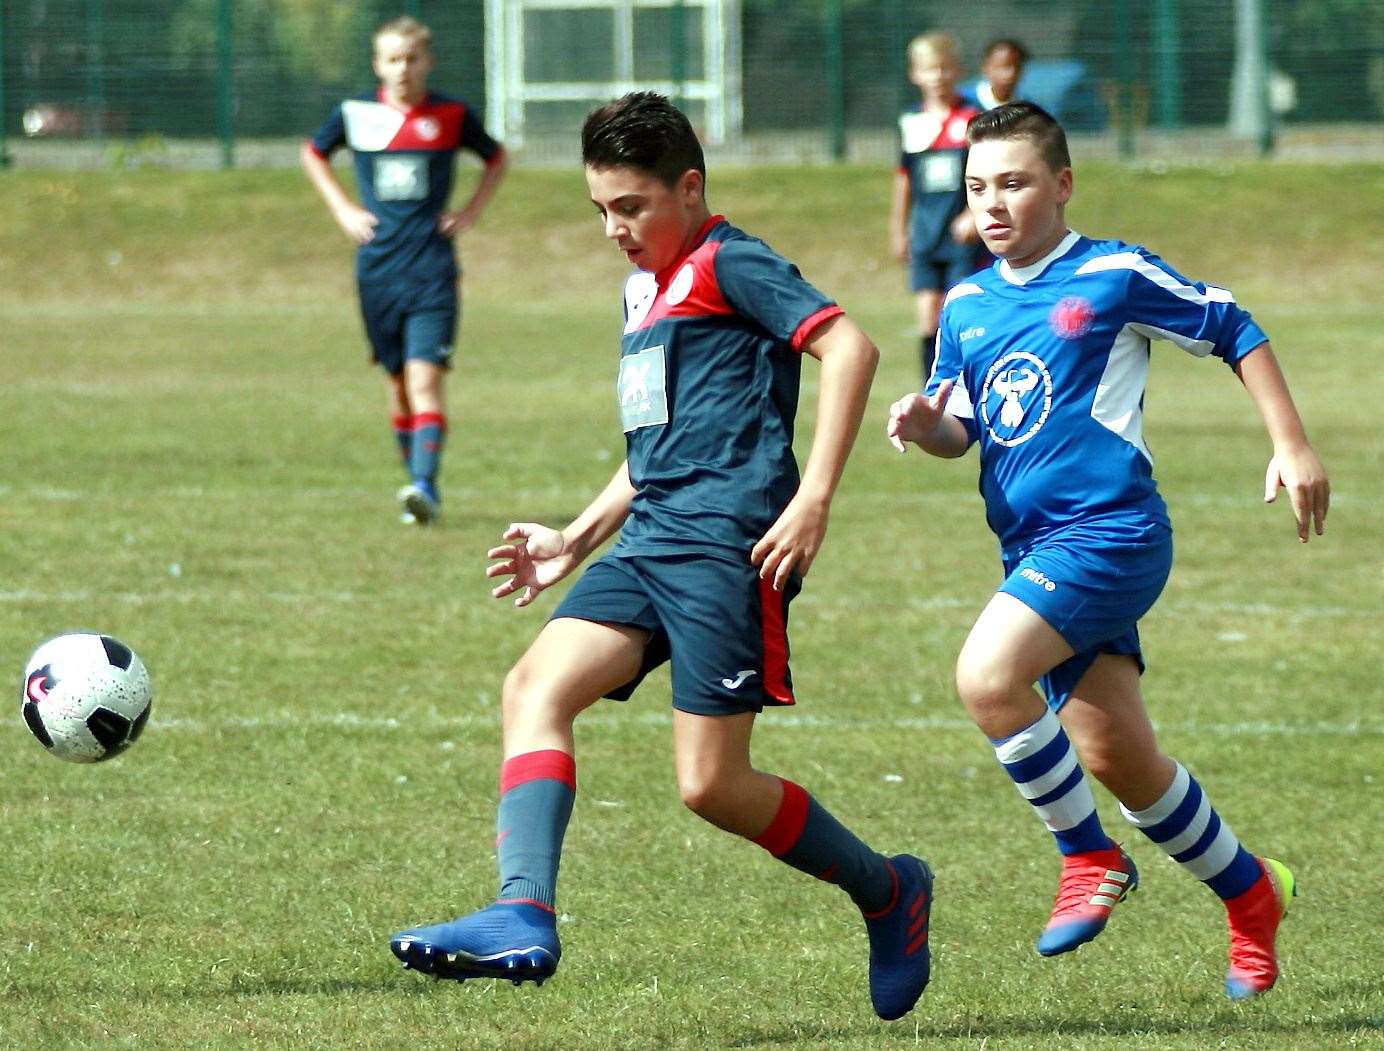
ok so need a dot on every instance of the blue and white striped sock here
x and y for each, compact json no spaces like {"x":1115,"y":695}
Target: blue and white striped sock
{"x":1187,"y":827}
{"x":1042,"y":763}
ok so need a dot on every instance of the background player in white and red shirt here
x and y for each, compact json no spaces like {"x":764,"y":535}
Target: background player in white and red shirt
{"x":405,"y":140}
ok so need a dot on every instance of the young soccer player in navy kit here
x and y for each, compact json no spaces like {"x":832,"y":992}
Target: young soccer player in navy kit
{"x":405,"y":140}
{"x":1042,"y":361}
{"x":930,"y":229}
{"x":716,"y":530}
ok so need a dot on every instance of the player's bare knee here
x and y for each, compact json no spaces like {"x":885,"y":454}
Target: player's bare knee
{"x":984,"y":686}
{"x":523,"y":693}
{"x":703,"y":792}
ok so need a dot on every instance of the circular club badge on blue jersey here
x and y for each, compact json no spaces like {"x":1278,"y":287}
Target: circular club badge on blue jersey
{"x":1016,"y":397}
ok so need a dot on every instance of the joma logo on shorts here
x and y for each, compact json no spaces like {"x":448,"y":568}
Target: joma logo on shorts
{"x":1041,"y":579}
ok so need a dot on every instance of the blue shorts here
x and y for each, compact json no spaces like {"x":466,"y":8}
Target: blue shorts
{"x":410,"y":320}
{"x":723,"y":629}
{"x":1092,"y":582}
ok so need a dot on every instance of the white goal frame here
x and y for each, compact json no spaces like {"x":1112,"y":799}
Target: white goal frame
{"x":508,"y":93}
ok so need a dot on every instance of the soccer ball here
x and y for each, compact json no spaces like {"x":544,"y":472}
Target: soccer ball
{"x":85,"y":697}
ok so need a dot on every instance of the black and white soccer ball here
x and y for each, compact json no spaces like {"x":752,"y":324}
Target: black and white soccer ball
{"x":86,"y":697}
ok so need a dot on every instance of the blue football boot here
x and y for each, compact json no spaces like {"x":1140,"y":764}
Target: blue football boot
{"x":420,"y":500}
{"x":513,"y":940}
{"x":900,"y":959}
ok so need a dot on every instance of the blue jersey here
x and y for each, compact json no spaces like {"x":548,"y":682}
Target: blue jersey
{"x":933,"y":157}
{"x":708,"y":388}
{"x":1050,"y":362}
{"x":404,"y":164}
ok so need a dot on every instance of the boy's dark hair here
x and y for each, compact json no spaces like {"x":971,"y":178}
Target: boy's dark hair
{"x":1024,"y":120}
{"x":1020,"y":52}
{"x":642,"y":130}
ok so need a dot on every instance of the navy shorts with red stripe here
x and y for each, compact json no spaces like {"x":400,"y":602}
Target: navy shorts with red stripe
{"x":723,"y":630}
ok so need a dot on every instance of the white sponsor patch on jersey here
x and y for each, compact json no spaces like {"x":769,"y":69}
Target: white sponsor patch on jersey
{"x":643,"y":391}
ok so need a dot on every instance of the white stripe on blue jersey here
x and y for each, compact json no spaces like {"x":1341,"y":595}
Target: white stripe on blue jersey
{"x":1051,"y":364}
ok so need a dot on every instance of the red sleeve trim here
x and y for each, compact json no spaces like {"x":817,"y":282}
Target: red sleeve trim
{"x":786,"y":829}
{"x":812,"y":323}
{"x":495,"y":158}
{"x":313,"y":146}
{"x":548,"y":764}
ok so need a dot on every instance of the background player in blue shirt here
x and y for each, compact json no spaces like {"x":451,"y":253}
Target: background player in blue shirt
{"x":1001,"y":69}
{"x":716,"y":530}
{"x":929,"y":226}
{"x":1042,"y":361}
{"x":405,"y":140}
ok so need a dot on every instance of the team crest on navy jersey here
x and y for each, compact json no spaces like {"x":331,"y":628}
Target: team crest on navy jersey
{"x":1073,"y":317}
{"x":681,"y":286}
{"x":1016,"y":398}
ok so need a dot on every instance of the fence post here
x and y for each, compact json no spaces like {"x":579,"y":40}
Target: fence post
{"x":1124,"y":76}
{"x":96,"y":66}
{"x":225,"y":81}
{"x":1166,"y":41}
{"x":4,"y":150}
{"x":836,"y":78}
{"x":677,"y":44}
{"x":1249,"y":89}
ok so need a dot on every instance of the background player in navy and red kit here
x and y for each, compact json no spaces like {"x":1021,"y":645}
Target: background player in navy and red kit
{"x":717,"y":528}
{"x":930,"y":227}
{"x":405,"y":140}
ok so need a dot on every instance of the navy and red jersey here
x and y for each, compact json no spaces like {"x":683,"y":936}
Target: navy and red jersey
{"x":404,"y":164}
{"x":708,"y":388}
{"x":933,"y":156}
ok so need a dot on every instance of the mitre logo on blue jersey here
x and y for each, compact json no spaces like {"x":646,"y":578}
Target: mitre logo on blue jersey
{"x":1016,"y":398}
{"x":643,"y":390}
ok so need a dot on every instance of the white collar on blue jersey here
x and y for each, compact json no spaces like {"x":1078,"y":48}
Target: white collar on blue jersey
{"x":1022,"y":275}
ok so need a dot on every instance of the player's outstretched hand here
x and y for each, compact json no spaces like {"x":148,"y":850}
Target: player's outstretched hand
{"x":357,"y":222}
{"x":537,"y":559}
{"x":1301,"y":473}
{"x":915,"y":416}
{"x":792,"y":542}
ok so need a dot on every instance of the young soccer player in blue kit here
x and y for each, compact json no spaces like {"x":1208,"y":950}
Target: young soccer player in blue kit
{"x":405,"y":141}
{"x":716,"y":529}
{"x":1042,"y":361}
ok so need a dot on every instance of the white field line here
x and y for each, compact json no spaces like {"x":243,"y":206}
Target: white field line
{"x":436,"y":722}
{"x":183,"y":594}
{"x":517,"y":499}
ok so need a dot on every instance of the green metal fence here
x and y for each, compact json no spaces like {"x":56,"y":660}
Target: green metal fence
{"x":238,"y":81}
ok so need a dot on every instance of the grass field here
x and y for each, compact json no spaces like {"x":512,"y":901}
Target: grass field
{"x":196,"y":460}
